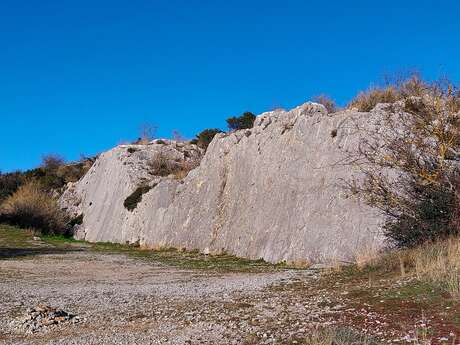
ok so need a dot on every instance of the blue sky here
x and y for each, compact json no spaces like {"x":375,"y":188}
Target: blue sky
{"x":81,"y":76}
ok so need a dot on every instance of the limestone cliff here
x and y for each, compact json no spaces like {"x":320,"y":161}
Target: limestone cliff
{"x":272,"y":192}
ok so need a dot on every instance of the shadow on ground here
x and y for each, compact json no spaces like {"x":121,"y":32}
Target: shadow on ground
{"x":9,"y":252}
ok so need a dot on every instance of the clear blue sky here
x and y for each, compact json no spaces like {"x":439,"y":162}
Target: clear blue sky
{"x":81,"y":76}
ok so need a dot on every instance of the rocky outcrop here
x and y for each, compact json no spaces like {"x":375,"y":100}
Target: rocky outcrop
{"x":272,"y":192}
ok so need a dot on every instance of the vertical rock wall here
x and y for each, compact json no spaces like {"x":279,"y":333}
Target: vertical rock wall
{"x":272,"y":192}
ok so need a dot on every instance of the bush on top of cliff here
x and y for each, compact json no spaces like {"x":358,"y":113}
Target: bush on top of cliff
{"x":204,"y":138}
{"x":31,"y":206}
{"x":327,"y":101}
{"x":412,"y":168}
{"x":391,"y":92}
{"x":246,"y":120}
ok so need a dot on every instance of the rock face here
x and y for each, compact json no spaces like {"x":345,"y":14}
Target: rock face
{"x":272,"y":192}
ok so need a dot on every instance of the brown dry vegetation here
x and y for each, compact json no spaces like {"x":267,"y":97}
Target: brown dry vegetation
{"x":327,"y":101}
{"x":390,"y":93}
{"x":436,"y":263}
{"x":409,"y":160}
{"x":32,"y":207}
{"x":162,"y":165}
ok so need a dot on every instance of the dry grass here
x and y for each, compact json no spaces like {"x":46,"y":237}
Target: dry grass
{"x":394,"y":91}
{"x":162,"y":165}
{"x":437,"y":263}
{"x":367,"y":100}
{"x":365,"y":256}
{"x":184,"y":168}
{"x":31,"y":207}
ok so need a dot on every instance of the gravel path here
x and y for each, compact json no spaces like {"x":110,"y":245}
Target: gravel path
{"x":122,"y":300}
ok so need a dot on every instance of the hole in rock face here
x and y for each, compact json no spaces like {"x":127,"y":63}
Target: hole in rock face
{"x":333,"y":133}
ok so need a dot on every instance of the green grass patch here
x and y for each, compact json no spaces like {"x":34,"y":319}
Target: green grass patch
{"x":415,"y":291}
{"x":15,"y":243}
{"x":11,"y":236}
{"x":188,"y":259}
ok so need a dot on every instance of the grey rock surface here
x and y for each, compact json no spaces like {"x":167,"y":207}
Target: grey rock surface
{"x":274,"y":192}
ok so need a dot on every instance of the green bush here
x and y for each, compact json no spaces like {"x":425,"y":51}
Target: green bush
{"x":244,"y":121}
{"x":135,"y":197}
{"x":204,"y":138}
{"x":78,"y":220}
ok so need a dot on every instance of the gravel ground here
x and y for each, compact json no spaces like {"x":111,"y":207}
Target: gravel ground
{"x":122,"y":300}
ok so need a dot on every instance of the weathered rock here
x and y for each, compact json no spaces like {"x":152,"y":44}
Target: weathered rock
{"x":42,"y":316}
{"x":272,"y":192}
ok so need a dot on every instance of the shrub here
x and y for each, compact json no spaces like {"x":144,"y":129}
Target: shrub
{"x":328,"y":103}
{"x":32,"y":207}
{"x":410,"y":166}
{"x":135,"y":197}
{"x":162,"y":165}
{"x":366,"y":101}
{"x":204,"y":138}
{"x":78,"y":220}
{"x":400,"y":89}
{"x":52,"y":162}
{"x":244,"y":121}
{"x":183,"y":168}
{"x":9,"y":183}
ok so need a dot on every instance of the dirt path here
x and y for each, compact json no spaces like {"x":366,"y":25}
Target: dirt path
{"x":126,"y":296}
{"x":130,"y":301}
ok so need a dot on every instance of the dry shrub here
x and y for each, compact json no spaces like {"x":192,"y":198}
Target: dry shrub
{"x":367,"y":100}
{"x":439,"y":263}
{"x":162,"y":165}
{"x":409,"y":164}
{"x":392,"y":92}
{"x":184,"y":168}
{"x":327,"y":101}
{"x":436,"y":263}
{"x":31,"y":207}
